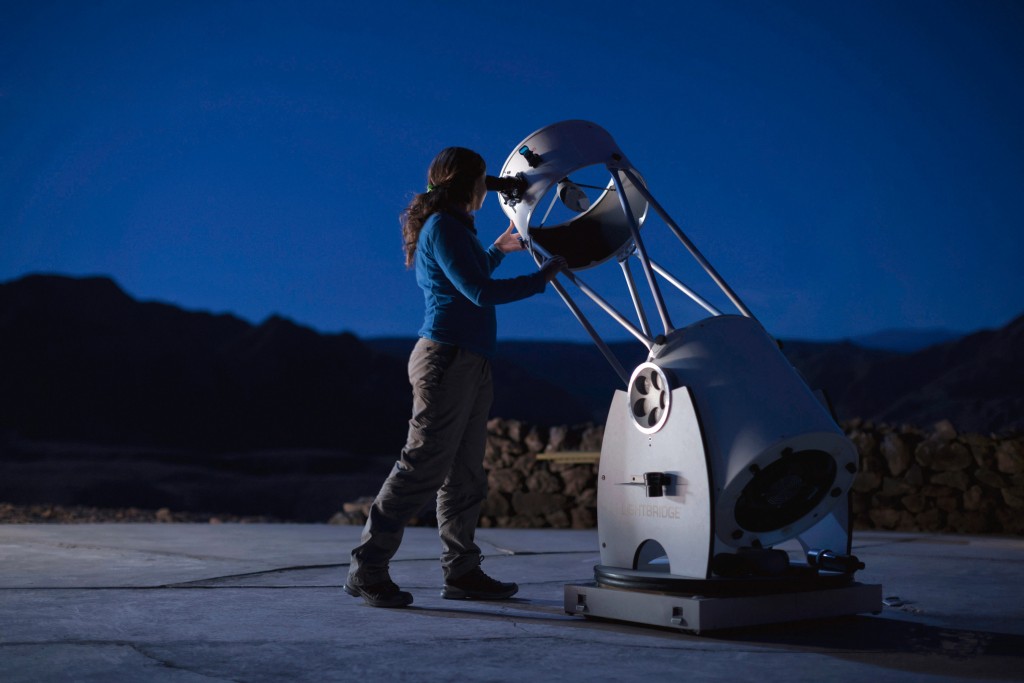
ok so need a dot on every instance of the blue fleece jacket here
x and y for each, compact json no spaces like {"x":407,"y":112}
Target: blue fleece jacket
{"x":454,"y":271}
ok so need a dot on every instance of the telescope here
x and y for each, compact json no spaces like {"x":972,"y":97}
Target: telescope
{"x":715,"y":451}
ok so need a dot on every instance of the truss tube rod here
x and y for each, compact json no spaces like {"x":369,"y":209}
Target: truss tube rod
{"x":601,"y":345}
{"x":690,"y":246}
{"x":641,"y":251}
{"x":684,"y":289}
{"x":608,"y":308}
{"x":554,"y":198}
{"x":637,"y":303}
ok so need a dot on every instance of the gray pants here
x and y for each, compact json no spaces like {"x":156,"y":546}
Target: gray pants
{"x":443,"y":454}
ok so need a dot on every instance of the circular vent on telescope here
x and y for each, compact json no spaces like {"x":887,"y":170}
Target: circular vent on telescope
{"x":649,"y":397}
{"x":786,"y":490}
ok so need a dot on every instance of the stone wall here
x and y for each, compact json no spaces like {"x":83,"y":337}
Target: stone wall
{"x":529,"y":492}
{"x":524,"y":491}
{"x":910,"y":479}
{"x":937,"y":479}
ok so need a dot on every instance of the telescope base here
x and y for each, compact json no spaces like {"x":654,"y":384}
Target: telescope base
{"x":697,"y":613}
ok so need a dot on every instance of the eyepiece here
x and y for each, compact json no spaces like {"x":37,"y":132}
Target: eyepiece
{"x":510,"y":185}
{"x":511,"y":188}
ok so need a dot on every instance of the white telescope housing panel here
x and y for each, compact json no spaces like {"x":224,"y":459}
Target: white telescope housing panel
{"x":717,"y":451}
{"x":544,"y":159}
{"x":716,"y":421}
{"x":779,"y":462}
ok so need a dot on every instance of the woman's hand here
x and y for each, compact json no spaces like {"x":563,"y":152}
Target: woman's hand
{"x":509,"y":242}
{"x":552,"y":267}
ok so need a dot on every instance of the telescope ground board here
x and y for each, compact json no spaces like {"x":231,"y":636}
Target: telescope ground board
{"x":699,"y":614}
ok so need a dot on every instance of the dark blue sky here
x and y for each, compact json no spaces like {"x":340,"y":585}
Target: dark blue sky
{"x":846,"y":166}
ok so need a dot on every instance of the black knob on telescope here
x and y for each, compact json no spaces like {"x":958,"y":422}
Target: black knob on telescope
{"x":656,"y":483}
{"x":532,"y":158}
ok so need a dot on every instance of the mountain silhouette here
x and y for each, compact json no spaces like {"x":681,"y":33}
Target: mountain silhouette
{"x":81,"y":361}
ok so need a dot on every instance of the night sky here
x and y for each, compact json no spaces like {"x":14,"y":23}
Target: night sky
{"x":846,"y":166}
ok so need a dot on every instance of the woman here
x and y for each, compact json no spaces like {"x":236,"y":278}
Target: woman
{"x":450,"y":373}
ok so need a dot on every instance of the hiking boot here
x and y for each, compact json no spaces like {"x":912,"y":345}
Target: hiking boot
{"x":382,"y":594}
{"x":475,"y":585}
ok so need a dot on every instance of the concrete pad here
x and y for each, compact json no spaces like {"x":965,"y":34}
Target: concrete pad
{"x":122,"y":602}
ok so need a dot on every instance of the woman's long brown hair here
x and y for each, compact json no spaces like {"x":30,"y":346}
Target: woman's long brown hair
{"x":450,"y":181}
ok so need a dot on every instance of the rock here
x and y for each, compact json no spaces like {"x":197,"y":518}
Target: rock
{"x":914,"y":476}
{"x":866,"y":482}
{"x":1010,"y":520}
{"x":896,"y":454}
{"x":914,"y":503}
{"x":583,"y":518}
{"x":534,"y":440}
{"x":884,"y":518}
{"x":957,"y":480}
{"x":514,"y":430}
{"x":587,"y":498}
{"x":911,"y":430}
{"x":592,"y":438}
{"x":990,"y":478}
{"x":542,"y":481}
{"x":577,"y":479}
{"x":865,"y":442}
{"x":510,"y":456}
{"x":496,"y":505}
{"x":929,"y":520}
{"x":906,"y":522}
{"x":942,"y":455}
{"x":1010,"y":457}
{"x":525,"y":463}
{"x":1014,"y":497}
{"x":524,"y":522}
{"x":982,"y":448}
{"x":872,"y":463}
{"x":892,"y":487}
{"x":944,"y":430}
{"x":936,"y":491}
{"x":556,"y":438}
{"x":558,"y":519}
{"x":973,"y":497}
{"x":947,"y":503}
{"x":496,"y":427}
{"x":164,"y":515}
{"x":968,"y":522}
{"x":505,"y":480}
{"x":537,"y":504}
{"x":502,"y":450}
{"x":492,"y":451}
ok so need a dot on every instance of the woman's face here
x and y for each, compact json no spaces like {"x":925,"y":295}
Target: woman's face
{"x":479,"y":192}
